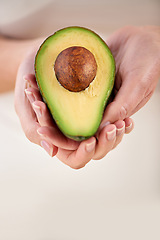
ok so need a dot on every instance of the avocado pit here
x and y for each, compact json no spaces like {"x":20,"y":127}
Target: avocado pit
{"x":75,"y":68}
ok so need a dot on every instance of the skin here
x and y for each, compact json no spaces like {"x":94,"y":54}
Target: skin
{"x":39,"y":126}
{"x":137,"y":55}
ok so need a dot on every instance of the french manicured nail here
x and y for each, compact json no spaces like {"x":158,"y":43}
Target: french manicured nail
{"x":25,"y":79}
{"x":129,"y":127}
{"x":30,"y":95}
{"x":90,"y":146}
{"x":101,"y":127}
{"x":47,"y":147}
{"x":40,"y":133}
{"x":27,"y":83}
{"x":111,"y":135}
{"x":37,"y":110}
{"x":120,"y":130}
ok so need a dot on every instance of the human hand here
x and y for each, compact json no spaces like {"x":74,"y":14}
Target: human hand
{"x":137,"y":55}
{"x":40,"y":128}
{"x":107,"y":139}
{"x":26,"y":113}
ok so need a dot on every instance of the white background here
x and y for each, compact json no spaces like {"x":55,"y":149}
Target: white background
{"x":115,"y":198}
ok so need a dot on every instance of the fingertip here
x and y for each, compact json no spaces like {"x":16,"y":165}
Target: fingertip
{"x":129,"y":125}
{"x":90,"y":145}
{"x":29,"y":75}
{"x":49,"y":148}
{"x":31,"y":79}
{"x":105,"y":142}
{"x":120,"y":127}
{"x":111,"y":132}
{"x":101,"y":127}
{"x":42,"y":131}
{"x":37,"y":110}
{"x":84,"y":153}
{"x":40,"y":104}
{"x":55,"y":151}
{"x":31,"y":97}
{"x":106,"y":133}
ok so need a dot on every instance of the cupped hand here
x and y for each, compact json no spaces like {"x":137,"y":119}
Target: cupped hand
{"x":26,"y":113}
{"x":137,"y":55}
{"x":40,"y":128}
{"x":81,"y":153}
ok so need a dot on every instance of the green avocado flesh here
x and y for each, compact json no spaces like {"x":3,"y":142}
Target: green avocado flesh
{"x":77,"y":114}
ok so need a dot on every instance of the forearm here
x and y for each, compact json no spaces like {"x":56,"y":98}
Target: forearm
{"x":12,"y":52}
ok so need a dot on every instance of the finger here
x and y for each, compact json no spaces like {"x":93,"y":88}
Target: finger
{"x":143,"y":102}
{"x":80,"y":157}
{"x":31,"y":79}
{"x":30,"y":127}
{"x":45,"y":119}
{"x":127,"y":98}
{"x":33,"y":94}
{"x":43,"y":115}
{"x":129,"y":125}
{"x":106,"y":140}
{"x":54,"y":135}
{"x":120,"y":130}
{"x":49,"y":148}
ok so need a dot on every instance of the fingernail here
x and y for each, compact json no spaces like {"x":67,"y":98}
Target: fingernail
{"x":129,"y":127}
{"x":55,"y":150}
{"x":111,"y":135}
{"x":30,"y":95}
{"x":47,"y":147}
{"x":90,"y":146}
{"x":120,"y":130}
{"x":101,"y":127}
{"x":25,"y":78}
{"x":37,"y":110}
{"x":27,"y":83}
{"x":40,"y":133}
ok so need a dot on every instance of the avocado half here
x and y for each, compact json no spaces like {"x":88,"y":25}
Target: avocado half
{"x":75,"y":72}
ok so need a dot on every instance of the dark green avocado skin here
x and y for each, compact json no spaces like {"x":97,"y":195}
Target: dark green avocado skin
{"x":77,"y":138}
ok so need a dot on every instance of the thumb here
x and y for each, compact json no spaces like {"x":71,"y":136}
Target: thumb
{"x":127,"y":99}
